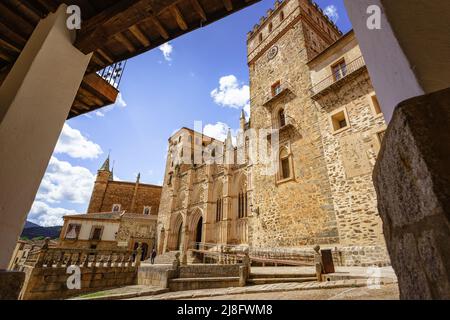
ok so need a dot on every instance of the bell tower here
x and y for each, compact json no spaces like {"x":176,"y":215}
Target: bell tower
{"x":104,"y":175}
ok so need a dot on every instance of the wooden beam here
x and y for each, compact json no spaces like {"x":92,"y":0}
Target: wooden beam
{"x":137,"y":33}
{"x":178,"y":17}
{"x":115,"y":19}
{"x":162,"y":31}
{"x":199,"y":9}
{"x":125,"y":42}
{"x":228,"y":5}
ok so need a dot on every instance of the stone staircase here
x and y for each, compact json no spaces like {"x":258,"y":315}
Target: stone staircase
{"x":166,"y":258}
{"x":270,"y":278}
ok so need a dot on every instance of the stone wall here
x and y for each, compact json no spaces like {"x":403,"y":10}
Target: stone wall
{"x":300,"y":211}
{"x":51,"y":283}
{"x":350,"y":155}
{"x":412,"y":179}
{"x":122,"y":193}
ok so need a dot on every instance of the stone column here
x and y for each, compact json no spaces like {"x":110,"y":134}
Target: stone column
{"x":35,"y":99}
{"x":412,"y":179}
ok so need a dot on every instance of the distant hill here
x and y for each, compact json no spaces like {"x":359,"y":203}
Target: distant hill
{"x":29,"y":224}
{"x":32,"y":230}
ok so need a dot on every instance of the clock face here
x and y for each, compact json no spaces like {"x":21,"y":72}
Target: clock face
{"x":272,"y":52}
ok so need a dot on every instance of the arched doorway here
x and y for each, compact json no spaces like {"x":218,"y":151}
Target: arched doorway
{"x":144,"y":248}
{"x":179,"y":237}
{"x":198,"y":233}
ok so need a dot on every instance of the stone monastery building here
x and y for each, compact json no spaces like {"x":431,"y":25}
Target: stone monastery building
{"x":310,"y":83}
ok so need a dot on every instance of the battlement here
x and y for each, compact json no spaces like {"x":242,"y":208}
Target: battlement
{"x":277,"y":9}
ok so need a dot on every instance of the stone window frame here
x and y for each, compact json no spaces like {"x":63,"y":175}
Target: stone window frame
{"x":77,"y":232}
{"x":342,"y":72}
{"x":332,"y":120}
{"x":376,"y":137}
{"x":114,"y":205}
{"x":276,"y":121}
{"x":279,"y":178}
{"x":276,"y":88}
{"x":149,"y":210}
{"x":373,"y":107}
{"x":93,"y":228}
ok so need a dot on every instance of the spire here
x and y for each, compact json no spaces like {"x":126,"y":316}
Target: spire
{"x":105,"y":166}
{"x":242,"y":120}
{"x":111,"y":176}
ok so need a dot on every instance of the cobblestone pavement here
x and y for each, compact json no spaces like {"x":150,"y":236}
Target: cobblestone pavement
{"x":268,"y":289}
{"x":386,"y":292}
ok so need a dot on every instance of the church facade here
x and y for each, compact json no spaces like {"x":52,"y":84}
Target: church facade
{"x":308,"y":84}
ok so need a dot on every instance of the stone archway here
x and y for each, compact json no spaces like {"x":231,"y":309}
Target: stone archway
{"x":175,"y":240}
{"x":196,"y":229}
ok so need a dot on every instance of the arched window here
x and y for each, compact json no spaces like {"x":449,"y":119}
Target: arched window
{"x":270,"y":27}
{"x":285,"y":170}
{"x":281,"y":15}
{"x":281,"y":118}
{"x":242,"y":204}
{"x":219,"y":209}
{"x":260,"y":37}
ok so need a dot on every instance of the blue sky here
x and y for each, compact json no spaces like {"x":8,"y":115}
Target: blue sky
{"x":161,"y":91}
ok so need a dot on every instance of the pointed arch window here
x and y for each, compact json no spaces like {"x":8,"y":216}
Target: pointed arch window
{"x":242,"y":204}
{"x":281,"y":118}
{"x":219,"y":209}
{"x":285,"y":170}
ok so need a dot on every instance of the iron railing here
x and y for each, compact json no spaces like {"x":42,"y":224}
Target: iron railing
{"x":113,"y":73}
{"x":349,"y":68}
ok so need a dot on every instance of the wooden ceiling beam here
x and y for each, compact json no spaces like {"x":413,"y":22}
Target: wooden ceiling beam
{"x":199,"y":9}
{"x":161,"y":30}
{"x":139,"y":35}
{"x":116,"y":19}
{"x":228,"y":5}
{"x":125,"y":42}
{"x":178,"y":17}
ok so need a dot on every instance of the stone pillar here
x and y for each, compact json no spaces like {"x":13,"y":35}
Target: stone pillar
{"x":35,"y":99}
{"x":412,"y":180}
{"x":406,"y":56}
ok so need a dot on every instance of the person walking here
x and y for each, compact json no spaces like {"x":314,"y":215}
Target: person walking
{"x":153,"y":256}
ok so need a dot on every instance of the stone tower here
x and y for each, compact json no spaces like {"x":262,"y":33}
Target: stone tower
{"x":293,"y":207}
{"x":104,"y":175}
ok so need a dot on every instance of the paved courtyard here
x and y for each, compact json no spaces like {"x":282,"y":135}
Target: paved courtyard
{"x":386,"y":292}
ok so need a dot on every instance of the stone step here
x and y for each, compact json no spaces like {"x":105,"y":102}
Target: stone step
{"x":281,"y":275}
{"x":166,"y":258}
{"x":279,"y":280}
{"x":183,"y":284}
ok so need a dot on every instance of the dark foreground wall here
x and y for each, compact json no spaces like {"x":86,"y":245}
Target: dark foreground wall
{"x":412,"y":179}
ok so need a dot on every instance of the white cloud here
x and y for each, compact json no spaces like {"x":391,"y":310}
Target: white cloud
{"x":74,"y":144}
{"x":46,"y":216}
{"x":64,"y":182}
{"x":231,"y":94}
{"x":120,"y":103}
{"x":332,"y":12}
{"x":219,"y":131}
{"x":166,"y":50}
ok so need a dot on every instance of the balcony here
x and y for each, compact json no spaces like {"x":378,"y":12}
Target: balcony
{"x":98,"y":89}
{"x":349,"y":71}
{"x":283,"y":90}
